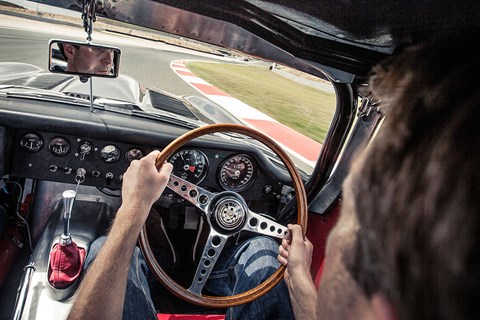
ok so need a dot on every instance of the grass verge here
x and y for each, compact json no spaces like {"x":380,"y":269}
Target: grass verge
{"x":303,"y":108}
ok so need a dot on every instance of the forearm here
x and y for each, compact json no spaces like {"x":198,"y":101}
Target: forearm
{"x":102,"y":292}
{"x":303,"y":296}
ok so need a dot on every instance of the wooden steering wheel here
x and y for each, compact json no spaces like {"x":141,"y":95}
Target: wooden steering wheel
{"x":222,"y":223}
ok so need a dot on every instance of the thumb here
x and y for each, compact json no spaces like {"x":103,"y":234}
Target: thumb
{"x":297,"y":234}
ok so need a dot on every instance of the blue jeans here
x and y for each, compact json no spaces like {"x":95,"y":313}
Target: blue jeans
{"x":138,"y":304}
{"x":240,"y":268}
{"x":243,"y":267}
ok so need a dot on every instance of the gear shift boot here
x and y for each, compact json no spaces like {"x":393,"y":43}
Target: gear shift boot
{"x":66,"y":263}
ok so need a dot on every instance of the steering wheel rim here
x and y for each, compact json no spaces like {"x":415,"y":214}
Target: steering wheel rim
{"x":277,"y":276}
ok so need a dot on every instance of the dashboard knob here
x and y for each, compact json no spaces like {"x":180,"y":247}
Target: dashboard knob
{"x":267,"y":189}
{"x":109,"y":177}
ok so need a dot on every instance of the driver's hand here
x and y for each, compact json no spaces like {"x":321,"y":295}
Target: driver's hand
{"x":143,"y":183}
{"x":296,"y":254}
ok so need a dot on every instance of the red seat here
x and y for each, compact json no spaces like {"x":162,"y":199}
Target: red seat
{"x":164,"y":316}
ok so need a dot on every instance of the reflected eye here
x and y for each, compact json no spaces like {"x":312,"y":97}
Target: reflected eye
{"x":100,"y":50}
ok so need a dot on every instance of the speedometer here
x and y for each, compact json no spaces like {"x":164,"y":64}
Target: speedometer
{"x":237,"y":173}
{"x":190,"y":165}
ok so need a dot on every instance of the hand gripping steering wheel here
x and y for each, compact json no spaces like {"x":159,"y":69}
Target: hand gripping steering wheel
{"x":227,"y":214}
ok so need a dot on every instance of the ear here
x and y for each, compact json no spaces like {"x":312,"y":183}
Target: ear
{"x":383,"y":308}
{"x":69,"y":50}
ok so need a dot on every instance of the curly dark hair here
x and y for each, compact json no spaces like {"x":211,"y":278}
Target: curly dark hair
{"x":417,"y":187}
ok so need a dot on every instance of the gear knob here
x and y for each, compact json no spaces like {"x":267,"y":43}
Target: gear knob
{"x":68,"y":199}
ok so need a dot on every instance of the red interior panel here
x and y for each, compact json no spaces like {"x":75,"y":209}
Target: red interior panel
{"x":317,"y":232}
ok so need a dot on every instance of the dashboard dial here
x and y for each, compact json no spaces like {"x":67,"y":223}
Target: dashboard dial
{"x":237,"y":173}
{"x":110,"y":153}
{"x":31,"y":142}
{"x":85,"y":147}
{"x":190,"y":165}
{"x":59,"y":146}
{"x":134,"y":154}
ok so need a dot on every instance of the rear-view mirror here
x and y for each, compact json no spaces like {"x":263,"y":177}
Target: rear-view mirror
{"x":84,"y":59}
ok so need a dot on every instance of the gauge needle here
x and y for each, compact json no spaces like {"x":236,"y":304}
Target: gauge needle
{"x":191,"y":168}
{"x":181,"y":156}
{"x":233,"y":172}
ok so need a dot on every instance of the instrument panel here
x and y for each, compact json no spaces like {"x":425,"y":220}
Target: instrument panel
{"x":235,"y":173}
{"x":60,"y":146}
{"x":59,"y":157}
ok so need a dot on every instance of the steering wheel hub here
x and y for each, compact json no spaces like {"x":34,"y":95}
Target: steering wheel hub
{"x":229,"y":213}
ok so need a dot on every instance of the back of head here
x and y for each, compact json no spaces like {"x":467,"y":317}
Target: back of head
{"x":417,"y":188}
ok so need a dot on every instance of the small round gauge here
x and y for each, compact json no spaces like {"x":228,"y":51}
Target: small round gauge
{"x":133,"y":154}
{"x":59,"y":146}
{"x":237,"y":173}
{"x":110,"y":153}
{"x":31,"y":142}
{"x":190,"y":165}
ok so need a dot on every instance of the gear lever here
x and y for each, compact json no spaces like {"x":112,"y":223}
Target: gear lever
{"x":68,"y":199}
{"x":66,"y":259}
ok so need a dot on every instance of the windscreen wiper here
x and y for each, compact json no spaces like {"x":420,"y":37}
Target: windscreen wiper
{"x":134,"y":110}
{"x":166,"y":119}
{"x":23,"y":92}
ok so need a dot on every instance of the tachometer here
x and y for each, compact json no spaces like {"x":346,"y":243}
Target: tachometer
{"x":190,"y":165}
{"x":237,"y":173}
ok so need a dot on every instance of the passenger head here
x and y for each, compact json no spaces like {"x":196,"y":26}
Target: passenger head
{"x":416,"y":189}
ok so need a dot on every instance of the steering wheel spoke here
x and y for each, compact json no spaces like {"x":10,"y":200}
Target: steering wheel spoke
{"x":194,"y":194}
{"x":213,"y":247}
{"x":262,"y":225}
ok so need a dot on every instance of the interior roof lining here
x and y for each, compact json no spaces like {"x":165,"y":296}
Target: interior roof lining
{"x":349,"y":36}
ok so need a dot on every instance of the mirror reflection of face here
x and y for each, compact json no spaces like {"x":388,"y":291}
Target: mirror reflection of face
{"x":88,"y":60}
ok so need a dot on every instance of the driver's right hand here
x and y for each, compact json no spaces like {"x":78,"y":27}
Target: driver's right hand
{"x":143,"y":184}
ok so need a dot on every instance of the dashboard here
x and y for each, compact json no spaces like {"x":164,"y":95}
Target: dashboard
{"x":61,"y":143}
{"x":97,"y":162}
